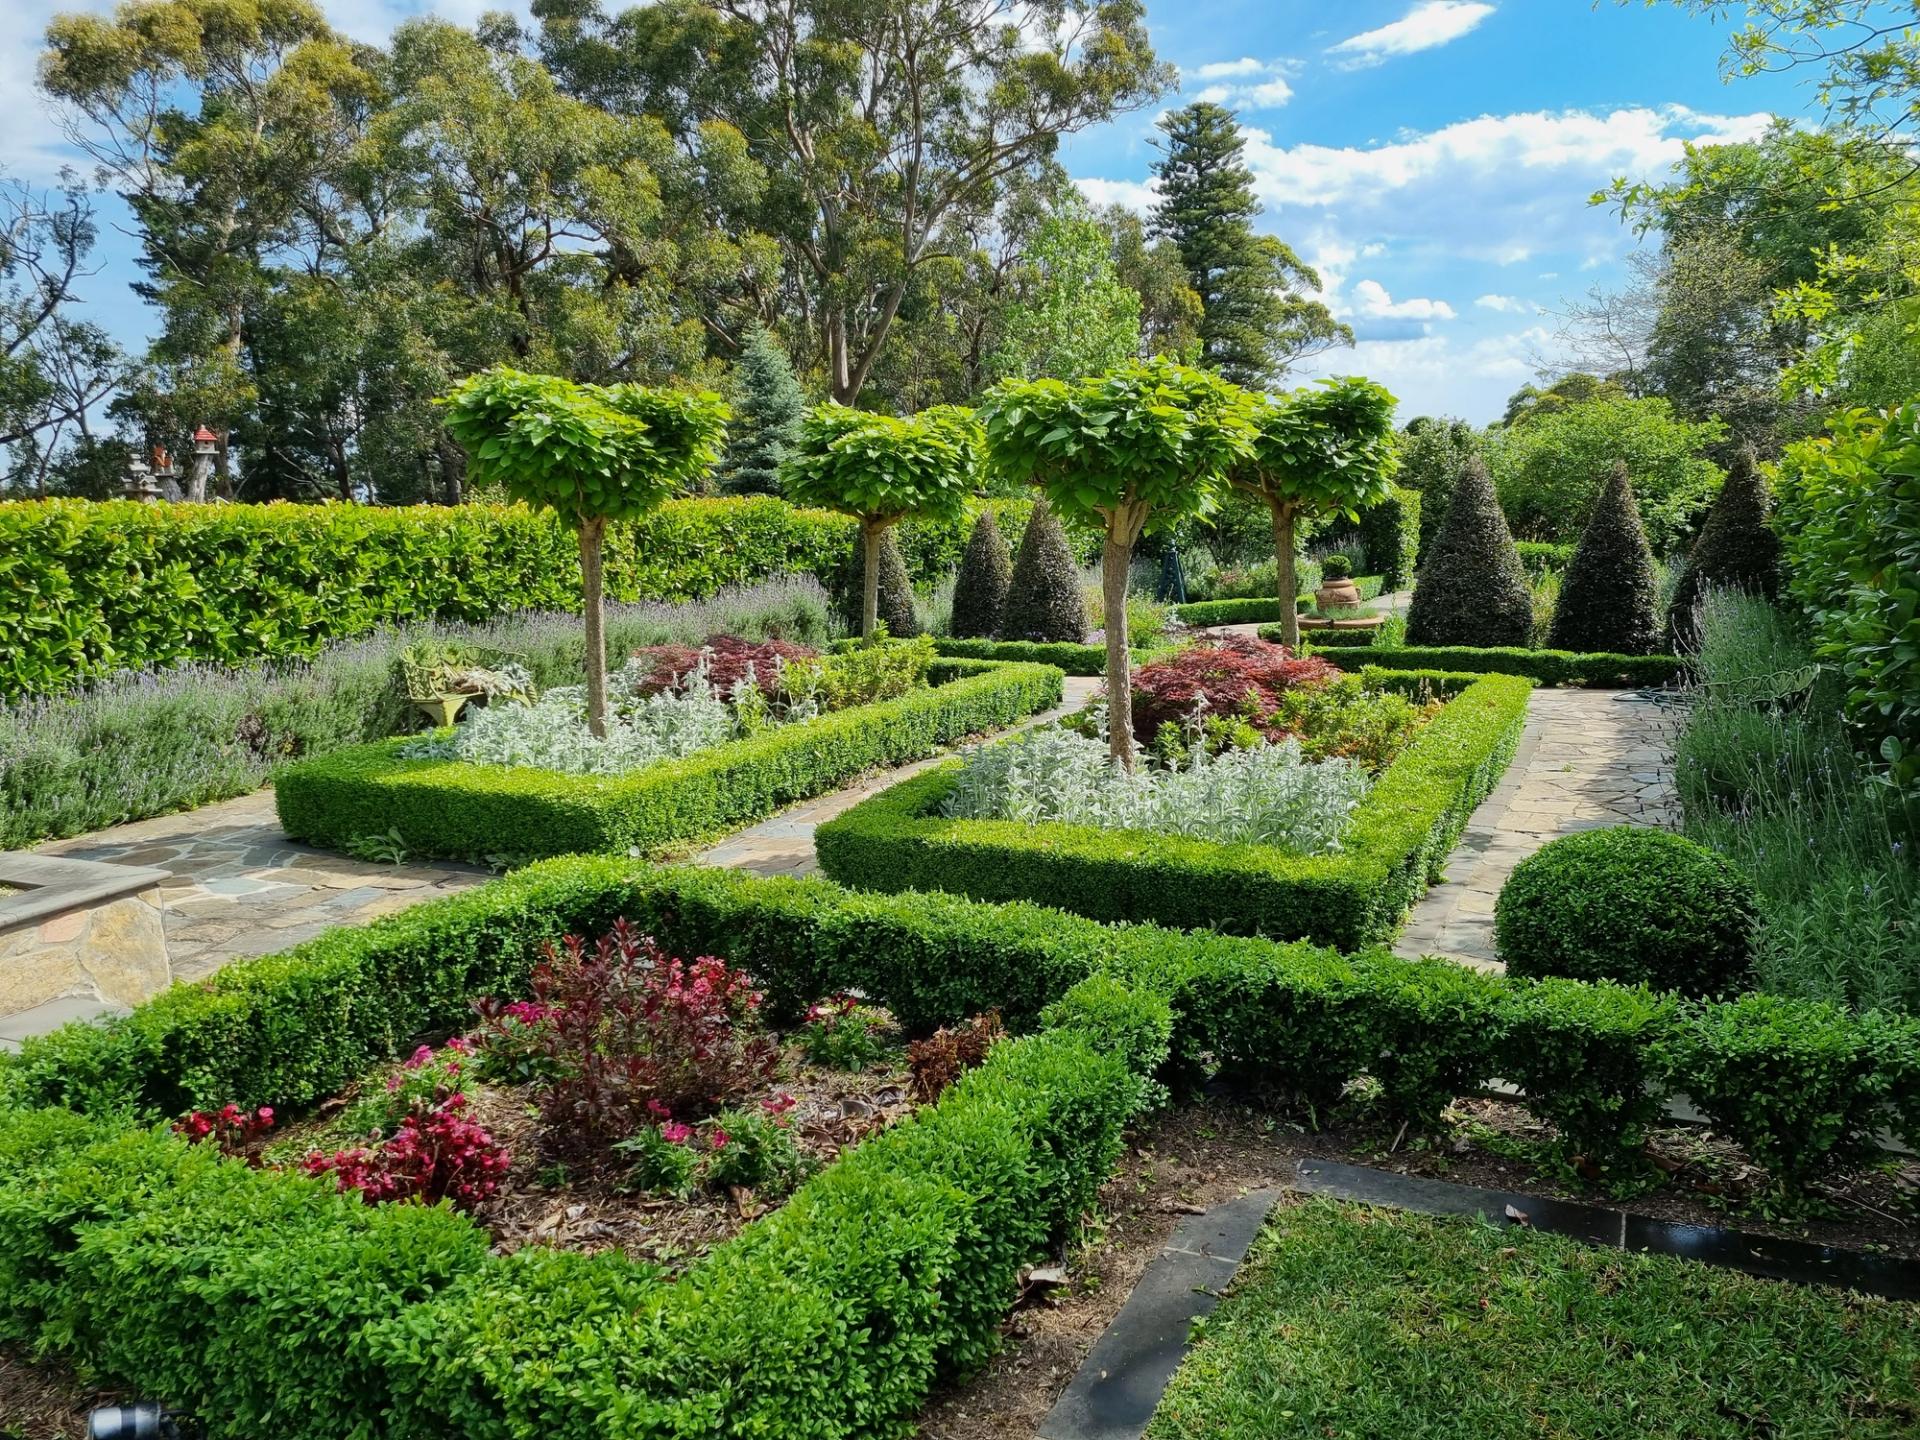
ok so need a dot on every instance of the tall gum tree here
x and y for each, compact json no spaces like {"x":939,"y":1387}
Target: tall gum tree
{"x":1317,"y":452}
{"x":591,"y":453}
{"x":886,"y":126}
{"x":880,"y":469}
{"x":1147,"y":444}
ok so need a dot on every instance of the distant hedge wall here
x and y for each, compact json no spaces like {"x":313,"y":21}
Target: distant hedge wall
{"x":1389,"y":533}
{"x":88,"y":588}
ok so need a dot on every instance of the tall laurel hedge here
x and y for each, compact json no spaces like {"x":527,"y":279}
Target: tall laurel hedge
{"x":88,"y":588}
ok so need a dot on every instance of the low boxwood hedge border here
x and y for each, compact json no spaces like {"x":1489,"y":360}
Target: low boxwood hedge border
{"x":1396,"y":840}
{"x":1064,"y":656}
{"x":261,"y":1298}
{"x":1255,"y":609}
{"x":1544,"y":667}
{"x":449,"y":809}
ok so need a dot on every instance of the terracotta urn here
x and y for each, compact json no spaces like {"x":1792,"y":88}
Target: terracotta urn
{"x":1337,"y":592}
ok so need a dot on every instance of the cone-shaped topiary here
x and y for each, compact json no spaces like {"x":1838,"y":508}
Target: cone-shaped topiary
{"x":1607,"y":600}
{"x":1044,"y":601}
{"x":896,"y":588}
{"x":768,"y":406}
{"x":1737,"y":548}
{"x":980,"y":590}
{"x":1471,"y":589}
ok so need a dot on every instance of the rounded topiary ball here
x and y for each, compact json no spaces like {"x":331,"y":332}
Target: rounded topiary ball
{"x":1629,"y":904}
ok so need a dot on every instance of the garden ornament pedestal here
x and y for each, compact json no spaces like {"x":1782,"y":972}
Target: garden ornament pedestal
{"x":1337,"y":592}
{"x":1349,"y":622}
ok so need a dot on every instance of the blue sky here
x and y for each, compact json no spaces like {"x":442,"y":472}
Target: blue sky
{"x":1432,"y":158}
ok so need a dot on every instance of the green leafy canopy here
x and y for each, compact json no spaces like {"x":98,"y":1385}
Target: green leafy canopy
{"x":1155,"y":436}
{"x":609,"y":452}
{"x":1323,"y":450}
{"x":883,"y":467}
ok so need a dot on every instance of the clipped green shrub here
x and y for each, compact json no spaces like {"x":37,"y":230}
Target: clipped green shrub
{"x":1388,"y":532}
{"x":456,"y":810}
{"x":1606,"y":598}
{"x":1632,"y":904}
{"x":1471,"y":589}
{"x":896,"y":588}
{"x":1794,"y":1082}
{"x":1069,"y":659}
{"x":1586,"y":1055}
{"x":1539,"y":556}
{"x":96,"y":587}
{"x":897,"y":840}
{"x":1545,"y":667}
{"x":980,"y":588}
{"x":1044,"y":602}
{"x":1254,"y":610}
{"x":1737,"y":549}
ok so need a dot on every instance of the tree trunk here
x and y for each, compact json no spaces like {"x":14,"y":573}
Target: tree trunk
{"x":591,"y":532}
{"x":1116,"y":560}
{"x":1289,"y":585}
{"x":870,"y":533}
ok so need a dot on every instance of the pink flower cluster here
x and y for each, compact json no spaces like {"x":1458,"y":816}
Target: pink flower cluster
{"x":432,"y":1156}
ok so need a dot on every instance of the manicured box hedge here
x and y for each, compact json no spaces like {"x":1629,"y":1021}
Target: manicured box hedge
{"x":452,"y":809}
{"x":1063,"y":656}
{"x":1402,"y":830}
{"x":270,"y":1304}
{"x":1256,"y":609}
{"x":1545,"y":667}
{"x":90,"y":587}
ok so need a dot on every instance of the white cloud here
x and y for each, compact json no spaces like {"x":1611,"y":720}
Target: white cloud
{"x":1370,"y":298}
{"x":1439,"y":374}
{"x":1434,"y":22}
{"x":1226,"y":69}
{"x":1243,"y":84}
{"x":1140,"y":195}
{"x":1505,"y":304}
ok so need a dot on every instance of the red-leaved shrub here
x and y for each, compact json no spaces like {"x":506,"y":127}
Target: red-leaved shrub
{"x":726,"y":666}
{"x":238,"y":1133}
{"x":944,"y":1056}
{"x":626,"y":1032}
{"x":1238,"y":675}
{"x":436,"y":1154}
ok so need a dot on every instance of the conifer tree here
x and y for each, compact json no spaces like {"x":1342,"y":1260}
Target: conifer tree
{"x":1255,"y":315}
{"x":1044,"y":601}
{"x":768,"y":405}
{"x":1737,"y":548}
{"x":1471,"y":589}
{"x":980,"y":590}
{"x":1606,"y":599}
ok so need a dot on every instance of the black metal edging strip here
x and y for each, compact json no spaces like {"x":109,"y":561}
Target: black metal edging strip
{"x":1797,"y":1261}
{"x":1117,"y":1388}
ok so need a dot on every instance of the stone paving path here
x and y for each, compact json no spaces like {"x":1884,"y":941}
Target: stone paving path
{"x":237,"y":888}
{"x":784,"y":844}
{"x":1587,"y":758}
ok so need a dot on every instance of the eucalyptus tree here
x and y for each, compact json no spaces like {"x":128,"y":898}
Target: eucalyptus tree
{"x":883,"y":125}
{"x":880,"y":469}
{"x":1150,"y":443}
{"x":592,"y":454}
{"x":1324,"y":451}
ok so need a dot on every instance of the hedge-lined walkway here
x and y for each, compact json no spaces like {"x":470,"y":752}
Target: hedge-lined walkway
{"x":783,"y":845}
{"x":1587,"y":758}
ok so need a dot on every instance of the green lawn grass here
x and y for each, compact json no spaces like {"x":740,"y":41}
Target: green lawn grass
{"x":1350,"y":1323}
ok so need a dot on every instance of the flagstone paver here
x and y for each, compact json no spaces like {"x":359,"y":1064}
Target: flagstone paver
{"x":236,"y":887}
{"x":1587,"y":758}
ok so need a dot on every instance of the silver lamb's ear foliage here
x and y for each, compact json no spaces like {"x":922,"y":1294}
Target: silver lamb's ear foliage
{"x":1267,"y":795}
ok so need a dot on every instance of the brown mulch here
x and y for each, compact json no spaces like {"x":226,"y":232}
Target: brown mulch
{"x":45,"y":1400}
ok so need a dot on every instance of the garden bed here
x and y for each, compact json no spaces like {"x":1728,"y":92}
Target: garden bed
{"x":467,"y":811}
{"x":1394,"y":841}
